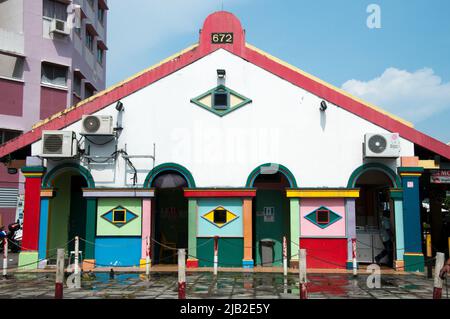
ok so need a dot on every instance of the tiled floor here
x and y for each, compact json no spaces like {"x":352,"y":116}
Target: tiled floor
{"x":225,"y":286}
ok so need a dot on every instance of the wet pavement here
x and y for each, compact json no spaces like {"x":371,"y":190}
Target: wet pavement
{"x":226,"y":286}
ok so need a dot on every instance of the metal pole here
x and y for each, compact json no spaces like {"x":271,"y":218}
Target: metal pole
{"x":355,"y":263}
{"x":5,"y":257}
{"x":147,"y":259}
{"x":216,"y":254}
{"x":429,"y":255}
{"x":285,"y":266}
{"x":181,"y":274}
{"x":77,"y":270}
{"x":59,"y":274}
{"x":302,"y":274}
{"x":438,"y":282}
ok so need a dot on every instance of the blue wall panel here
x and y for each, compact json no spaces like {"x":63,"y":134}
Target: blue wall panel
{"x":118,"y":251}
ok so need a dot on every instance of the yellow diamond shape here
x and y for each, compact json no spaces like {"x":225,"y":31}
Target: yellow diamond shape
{"x":220,"y":216}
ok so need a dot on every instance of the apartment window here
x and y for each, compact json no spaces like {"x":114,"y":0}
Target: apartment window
{"x":55,"y":10}
{"x":54,"y":74}
{"x":101,"y":15}
{"x":89,"y":90}
{"x":6,"y":135}
{"x":77,"y":84}
{"x":100,"y":55}
{"x":89,"y":40}
{"x":11,"y":66}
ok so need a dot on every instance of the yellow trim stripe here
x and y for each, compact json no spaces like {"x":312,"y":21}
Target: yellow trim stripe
{"x":411,"y":174}
{"x":312,"y":77}
{"x":325,"y":193}
{"x":111,"y":88}
{"x":413,"y":254}
{"x":33,"y":174}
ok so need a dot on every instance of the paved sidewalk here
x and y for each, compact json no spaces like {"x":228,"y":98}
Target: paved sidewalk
{"x":226,"y":286}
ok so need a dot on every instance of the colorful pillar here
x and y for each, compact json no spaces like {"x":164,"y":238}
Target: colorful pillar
{"x":295,"y":231}
{"x":146,"y":228}
{"x":29,"y":256}
{"x":192,"y":261}
{"x":248,"y":261}
{"x":46,"y":195}
{"x":350,"y":211}
{"x":397,"y":198}
{"x":413,"y":256}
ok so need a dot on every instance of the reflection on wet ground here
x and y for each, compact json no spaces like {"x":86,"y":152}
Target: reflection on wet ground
{"x":225,"y":286}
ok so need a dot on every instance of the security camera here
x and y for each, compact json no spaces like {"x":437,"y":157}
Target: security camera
{"x":119,"y":106}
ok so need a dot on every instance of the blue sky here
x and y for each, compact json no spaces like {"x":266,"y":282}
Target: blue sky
{"x":403,"y":67}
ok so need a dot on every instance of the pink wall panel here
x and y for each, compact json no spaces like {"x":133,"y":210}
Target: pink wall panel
{"x":8,"y":216}
{"x":11,"y":97}
{"x":146,"y":224}
{"x":52,"y":101}
{"x":308,"y":229}
{"x":8,"y":180}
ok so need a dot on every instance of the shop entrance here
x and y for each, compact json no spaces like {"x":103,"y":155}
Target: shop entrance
{"x":270,"y":219}
{"x":67,"y":212}
{"x":374,"y":203}
{"x":170,"y":217}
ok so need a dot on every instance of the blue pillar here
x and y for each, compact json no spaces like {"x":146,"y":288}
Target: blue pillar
{"x":397,"y":197}
{"x":413,"y":256}
{"x":43,"y":228}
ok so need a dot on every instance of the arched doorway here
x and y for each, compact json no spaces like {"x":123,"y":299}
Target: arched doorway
{"x":170,"y":211}
{"x":271,"y":213}
{"x":67,"y":213}
{"x":375,"y":184}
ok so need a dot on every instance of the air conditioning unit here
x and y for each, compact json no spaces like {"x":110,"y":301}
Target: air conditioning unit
{"x":59,"y":144}
{"x":382,"y":145}
{"x":97,"y":125}
{"x":60,"y":27}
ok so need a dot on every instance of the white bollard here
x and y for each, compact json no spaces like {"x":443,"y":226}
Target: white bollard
{"x":302,"y":274}
{"x":355,"y":264}
{"x":77,"y":270}
{"x":5,"y":257}
{"x":216,"y":254}
{"x":285,"y":265}
{"x":181,"y":274}
{"x":438,"y":282}
{"x":147,"y":259}
{"x":59,"y":274}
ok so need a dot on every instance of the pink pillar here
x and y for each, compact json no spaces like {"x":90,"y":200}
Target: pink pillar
{"x":146,"y":224}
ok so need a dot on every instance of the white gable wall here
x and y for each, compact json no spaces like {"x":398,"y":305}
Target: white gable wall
{"x":283,"y":125}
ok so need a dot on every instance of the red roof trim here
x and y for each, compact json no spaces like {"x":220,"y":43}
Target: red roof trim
{"x":223,"y":22}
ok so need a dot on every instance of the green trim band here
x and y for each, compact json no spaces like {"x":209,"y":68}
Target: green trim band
{"x":46,"y":182}
{"x":282,"y":169}
{"x":411,"y":170}
{"x":396,"y":193}
{"x":33,"y":169}
{"x":374,"y":166}
{"x":169,"y":167}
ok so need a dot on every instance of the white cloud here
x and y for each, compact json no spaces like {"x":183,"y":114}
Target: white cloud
{"x":414,"y":96}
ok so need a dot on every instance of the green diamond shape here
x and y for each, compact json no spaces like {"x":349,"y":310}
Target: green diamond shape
{"x":235,"y":100}
{"x":312,"y":217}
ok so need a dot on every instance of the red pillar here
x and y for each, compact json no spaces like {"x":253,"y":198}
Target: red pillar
{"x":32,"y":207}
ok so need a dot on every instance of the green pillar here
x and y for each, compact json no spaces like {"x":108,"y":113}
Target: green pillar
{"x":192,"y":261}
{"x":91,"y":211}
{"x":295,"y":231}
